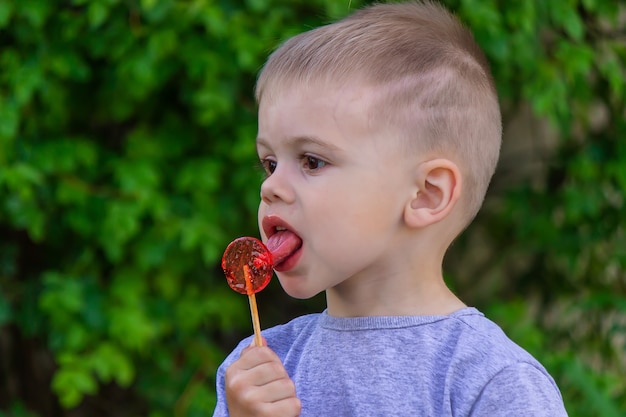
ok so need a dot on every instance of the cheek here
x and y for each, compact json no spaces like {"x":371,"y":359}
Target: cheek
{"x":349,"y":232}
{"x":260,"y":215}
{"x":374,"y":209}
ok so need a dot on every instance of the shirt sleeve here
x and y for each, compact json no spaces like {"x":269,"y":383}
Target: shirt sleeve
{"x":520,"y":390}
{"x":221,"y":409}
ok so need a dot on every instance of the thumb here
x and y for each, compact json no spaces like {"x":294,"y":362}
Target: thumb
{"x":263,"y":342}
{"x":253,"y":345}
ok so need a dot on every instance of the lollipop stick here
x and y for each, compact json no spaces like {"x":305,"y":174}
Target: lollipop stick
{"x":256,"y":324}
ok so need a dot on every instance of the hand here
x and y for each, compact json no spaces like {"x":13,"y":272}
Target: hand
{"x":257,"y":384}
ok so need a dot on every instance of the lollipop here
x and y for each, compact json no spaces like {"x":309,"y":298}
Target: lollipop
{"x":247,"y":264}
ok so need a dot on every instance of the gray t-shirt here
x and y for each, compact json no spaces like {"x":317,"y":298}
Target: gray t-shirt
{"x":457,"y":365}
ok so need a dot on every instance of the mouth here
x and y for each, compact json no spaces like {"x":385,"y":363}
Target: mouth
{"x":283,"y":242}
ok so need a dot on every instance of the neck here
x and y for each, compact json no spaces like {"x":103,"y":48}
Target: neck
{"x":411,"y":286}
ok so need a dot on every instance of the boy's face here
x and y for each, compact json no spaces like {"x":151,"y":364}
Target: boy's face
{"x":338,"y":185}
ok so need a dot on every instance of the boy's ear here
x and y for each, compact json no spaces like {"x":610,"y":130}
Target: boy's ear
{"x":438,"y":190}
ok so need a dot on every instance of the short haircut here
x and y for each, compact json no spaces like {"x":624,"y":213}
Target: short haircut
{"x":432,"y":81}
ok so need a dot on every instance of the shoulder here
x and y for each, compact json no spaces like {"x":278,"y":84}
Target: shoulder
{"x":479,"y":338}
{"x":522,"y":389}
{"x":286,"y":337}
{"x":501,"y":374}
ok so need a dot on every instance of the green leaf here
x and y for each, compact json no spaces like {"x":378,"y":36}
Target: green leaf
{"x":35,"y":11}
{"x":97,"y":12}
{"x":9,"y":120}
{"x":6,"y":11}
{"x":61,"y":296}
{"x":584,"y":380}
{"x":109,"y":362}
{"x":73,"y":381}
{"x":564,"y":13}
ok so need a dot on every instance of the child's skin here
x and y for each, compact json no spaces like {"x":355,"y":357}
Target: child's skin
{"x":375,"y":222}
{"x":258,"y":385}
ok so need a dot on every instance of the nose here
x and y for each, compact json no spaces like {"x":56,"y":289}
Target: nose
{"x":277,"y":187}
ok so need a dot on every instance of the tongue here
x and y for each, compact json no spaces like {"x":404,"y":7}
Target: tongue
{"x":283,"y":244}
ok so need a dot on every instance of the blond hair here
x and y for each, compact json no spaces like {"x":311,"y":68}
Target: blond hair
{"x":432,"y":81}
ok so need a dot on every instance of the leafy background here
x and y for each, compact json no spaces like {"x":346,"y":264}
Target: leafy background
{"x":127,"y":165}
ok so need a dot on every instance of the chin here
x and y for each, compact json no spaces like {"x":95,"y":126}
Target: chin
{"x":298,"y":293}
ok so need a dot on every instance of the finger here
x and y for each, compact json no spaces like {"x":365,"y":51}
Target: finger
{"x":253,"y":356}
{"x":273,"y":392}
{"x":288,"y":407}
{"x":268,"y":372}
{"x":258,"y":375}
{"x":278,"y":390}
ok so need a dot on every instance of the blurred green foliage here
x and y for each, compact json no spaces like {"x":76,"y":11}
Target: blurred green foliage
{"x":127,"y":165}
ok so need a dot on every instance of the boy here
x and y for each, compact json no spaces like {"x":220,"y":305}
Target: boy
{"x":379,"y":135}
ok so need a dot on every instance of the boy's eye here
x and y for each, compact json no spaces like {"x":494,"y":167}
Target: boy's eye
{"x":312,"y":163}
{"x":268,"y":165}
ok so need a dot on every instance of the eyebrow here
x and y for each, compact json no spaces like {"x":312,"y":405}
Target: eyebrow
{"x":299,"y":141}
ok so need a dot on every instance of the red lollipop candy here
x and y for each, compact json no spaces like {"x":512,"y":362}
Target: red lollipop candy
{"x":251,"y":253}
{"x":248,"y":267}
